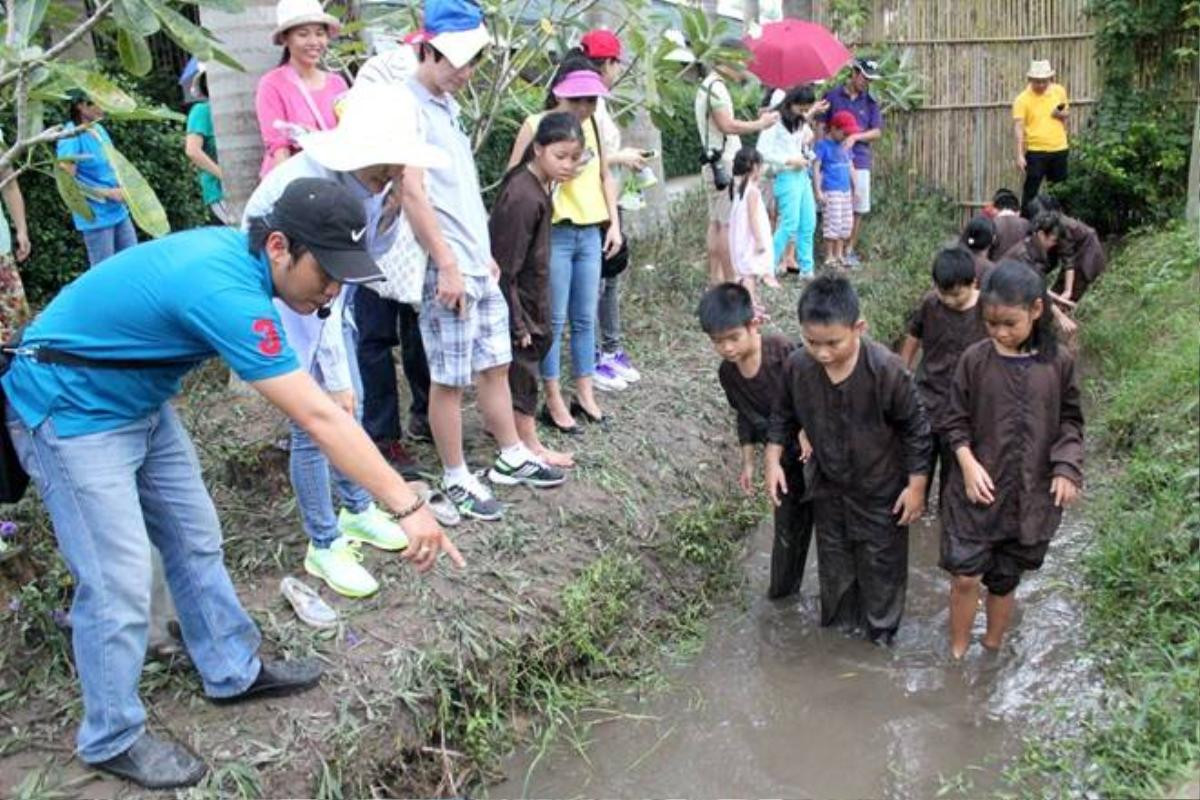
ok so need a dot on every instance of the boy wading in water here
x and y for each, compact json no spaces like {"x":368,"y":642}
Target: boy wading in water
{"x":1015,"y":425}
{"x":864,"y":426}
{"x":752,"y":375}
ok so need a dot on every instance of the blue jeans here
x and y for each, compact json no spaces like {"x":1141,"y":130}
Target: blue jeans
{"x":103,"y":242}
{"x":797,"y":216}
{"x":311,"y":471}
{"x":574,"y":291}
{"x":110,"y":496}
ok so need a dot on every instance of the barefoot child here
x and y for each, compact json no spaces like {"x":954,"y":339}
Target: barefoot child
{"x":1016,"y":427}
{"x":943,"y":326}
{"x":869,"y":437}
{"x":520,"y":235}
{"x":749,"y":227}
{"x":833,"y":187}
{"x":752,"y":375}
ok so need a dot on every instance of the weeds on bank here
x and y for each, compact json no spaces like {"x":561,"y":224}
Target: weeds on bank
{"x":1142,"y":349}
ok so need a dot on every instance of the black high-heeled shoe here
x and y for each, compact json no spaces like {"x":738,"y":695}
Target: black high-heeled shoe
{"x":577,"y":410}
{"x":547,"y":419}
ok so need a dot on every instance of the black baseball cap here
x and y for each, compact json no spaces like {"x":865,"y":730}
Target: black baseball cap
{"x":326,"y":218}
{"x":868,"y":67}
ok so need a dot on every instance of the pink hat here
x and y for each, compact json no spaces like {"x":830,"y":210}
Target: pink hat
{"x":580,"y":83}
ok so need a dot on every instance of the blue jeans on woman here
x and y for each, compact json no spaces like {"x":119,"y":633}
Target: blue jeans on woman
{"x":311,"y":471}
{"x":575,"y":253}
{"x":111,"y":495}
{"x":104,"y":242}
{"x":797,"y":216}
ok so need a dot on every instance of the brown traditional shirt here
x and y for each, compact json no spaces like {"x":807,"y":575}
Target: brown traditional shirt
{"x":1023,"y":421}
{"x":1010,"y":229}
{"x":1029,"y":251}
{"x":1080,"y":249}
{"x":754,"y":398}
{"x":520,"y":234}
{"x":869,"y":432}
{"x":944,"y":334}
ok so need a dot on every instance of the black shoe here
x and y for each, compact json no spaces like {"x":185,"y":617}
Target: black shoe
{"x":531,"y":473}
{"x":547,"y":419}
{"x":577,"y":410}
{"x":278,"y":678}
{"x":419,"y":430}
{"x":156,"y":764}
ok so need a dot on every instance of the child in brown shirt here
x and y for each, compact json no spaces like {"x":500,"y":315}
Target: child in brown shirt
{"x":978,"y":236}
{"x":751,"y":373}
{"x":942,"y":327}
{"x":1011,"y":227}
{"x":1016,"y":427}
{"x":520,"y":235}
{"x":867,"y":434}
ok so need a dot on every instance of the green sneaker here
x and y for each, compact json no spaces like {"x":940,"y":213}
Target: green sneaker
{"x":338,"y":566}
{"x":372,"y":527}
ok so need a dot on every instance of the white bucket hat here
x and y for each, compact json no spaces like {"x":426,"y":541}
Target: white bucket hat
{"x":680,"y":53}
{"x":290,"y":13}
{"x":1040,"y":71}
{"x":378,"y":125}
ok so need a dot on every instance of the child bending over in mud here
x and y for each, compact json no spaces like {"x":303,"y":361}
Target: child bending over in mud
{"x":1015,"y":425}
{"x":752,"y":374}
{"x":866,"y":430}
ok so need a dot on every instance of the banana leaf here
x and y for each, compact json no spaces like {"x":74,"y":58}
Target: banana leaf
{"x":71,"y":194}
{"x":134,"y":52}
{"x":147,"y":212}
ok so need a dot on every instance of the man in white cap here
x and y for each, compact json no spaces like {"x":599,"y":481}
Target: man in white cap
{"x":1040,"y":127}
{"x":464,"y":316}
{"x":366,"y":153}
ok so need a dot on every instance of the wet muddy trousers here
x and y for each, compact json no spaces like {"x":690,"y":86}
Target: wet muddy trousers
{"x":793,"y":534}
{"x":862,"y":559}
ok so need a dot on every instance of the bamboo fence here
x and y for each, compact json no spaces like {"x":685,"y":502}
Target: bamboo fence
{"x":973,"y":56}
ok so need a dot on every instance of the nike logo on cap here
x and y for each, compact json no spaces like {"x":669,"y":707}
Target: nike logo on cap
{"x":356,"y":235}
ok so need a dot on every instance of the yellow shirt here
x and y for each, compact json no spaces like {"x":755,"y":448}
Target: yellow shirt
{"x":1043,"y":133}
{"x":581,"y":199}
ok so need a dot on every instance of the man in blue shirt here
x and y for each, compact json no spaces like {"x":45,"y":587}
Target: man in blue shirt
{"x":110,"y":229}
{"x":117,"y":472}
{"x":855,"y":96}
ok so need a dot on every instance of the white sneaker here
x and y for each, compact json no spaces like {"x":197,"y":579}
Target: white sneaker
{"x":606,"y":378}
{"x":622,"y":364}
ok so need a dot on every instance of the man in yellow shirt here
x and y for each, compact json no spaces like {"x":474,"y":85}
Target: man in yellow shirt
{"x":1040,"y":125}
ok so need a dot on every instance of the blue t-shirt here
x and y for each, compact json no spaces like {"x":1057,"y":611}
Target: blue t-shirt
{"x":835,"y":166}
{"x":93,"y":170}
{"x":866,"y":112}
{"x":190,"y":295}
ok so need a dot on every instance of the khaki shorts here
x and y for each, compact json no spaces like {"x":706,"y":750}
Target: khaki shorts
{"x":719,"y":202}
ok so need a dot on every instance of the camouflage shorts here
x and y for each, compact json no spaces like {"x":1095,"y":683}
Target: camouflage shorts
{"x":14,"y":309}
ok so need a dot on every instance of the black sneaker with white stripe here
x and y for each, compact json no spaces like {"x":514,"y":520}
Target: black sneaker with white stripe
{"x":472,"y":499}
{"x":531,"y":473}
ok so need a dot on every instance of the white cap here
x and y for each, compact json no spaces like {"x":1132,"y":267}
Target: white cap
{"x":379,"y":124}
{"x":680,"y":53}
{"x":459,"y":47}
{"x":290,"y":13}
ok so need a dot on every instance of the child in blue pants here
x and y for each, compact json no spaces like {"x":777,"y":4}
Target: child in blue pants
{"x":787,"y":147}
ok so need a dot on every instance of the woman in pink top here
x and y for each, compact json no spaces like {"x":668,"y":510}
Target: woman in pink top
{"x":297,"y":96}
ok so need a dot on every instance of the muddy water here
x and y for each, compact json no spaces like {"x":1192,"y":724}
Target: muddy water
{"x":774,"y":705}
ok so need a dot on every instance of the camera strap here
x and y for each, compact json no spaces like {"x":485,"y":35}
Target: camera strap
{"x":708,"y":116}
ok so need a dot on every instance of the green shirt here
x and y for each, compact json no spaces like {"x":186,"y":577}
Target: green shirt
{"x":199,"y":122}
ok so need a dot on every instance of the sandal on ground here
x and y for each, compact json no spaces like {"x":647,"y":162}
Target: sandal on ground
{"x":307,"y":604}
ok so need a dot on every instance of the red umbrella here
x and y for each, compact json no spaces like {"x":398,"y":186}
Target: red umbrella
{"x":790,"y":52}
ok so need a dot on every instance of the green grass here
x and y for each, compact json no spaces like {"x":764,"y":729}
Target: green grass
{"x":1141,"y":351}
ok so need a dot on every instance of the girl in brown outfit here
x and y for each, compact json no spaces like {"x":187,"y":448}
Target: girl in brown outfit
{"x":520,"y":234}
{"x":1015,"y":425}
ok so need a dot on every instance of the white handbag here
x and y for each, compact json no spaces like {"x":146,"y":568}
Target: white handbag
{"x":403,"y":267}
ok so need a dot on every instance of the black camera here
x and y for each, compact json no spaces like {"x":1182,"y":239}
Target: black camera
{"x":712,"y":159}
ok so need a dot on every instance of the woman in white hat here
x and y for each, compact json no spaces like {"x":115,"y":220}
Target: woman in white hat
{"x":1040,"y":126}
{"x":297,"y":97}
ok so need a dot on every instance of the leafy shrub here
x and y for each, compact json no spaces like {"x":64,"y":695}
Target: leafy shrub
{"x":1129,"y":167}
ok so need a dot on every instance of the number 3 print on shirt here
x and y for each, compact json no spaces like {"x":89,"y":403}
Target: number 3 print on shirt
{"x":270,"y":344}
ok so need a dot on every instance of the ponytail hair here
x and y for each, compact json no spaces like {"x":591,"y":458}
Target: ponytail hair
{"x":979,"y":234}
{"x":1014,"y":283}
{"x":743,"y":164}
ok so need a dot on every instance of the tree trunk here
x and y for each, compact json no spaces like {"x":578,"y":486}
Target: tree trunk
{"x":247,"y":37}
{"x":1193,"y":195}
{"x":750,"y":14}
{"x":798,"y":9}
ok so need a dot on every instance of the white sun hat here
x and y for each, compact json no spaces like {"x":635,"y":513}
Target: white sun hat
{"x":680,"y":53}
{"x":290,"y":13}
{"x":379,"y":124}
{"x":1040,"y":71}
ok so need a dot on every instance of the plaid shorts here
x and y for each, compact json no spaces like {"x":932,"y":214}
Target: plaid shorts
{"x":459,"y":345}
{"x":838,"y":211}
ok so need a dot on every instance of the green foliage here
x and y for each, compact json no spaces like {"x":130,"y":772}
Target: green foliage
{"x":1129,"y":167}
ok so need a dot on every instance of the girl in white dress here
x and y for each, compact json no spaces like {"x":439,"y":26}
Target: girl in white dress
{"x":749,"y":226}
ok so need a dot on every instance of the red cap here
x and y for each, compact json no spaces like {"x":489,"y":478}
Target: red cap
{"x":846,"y":121}
{"x":601,"y":43}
